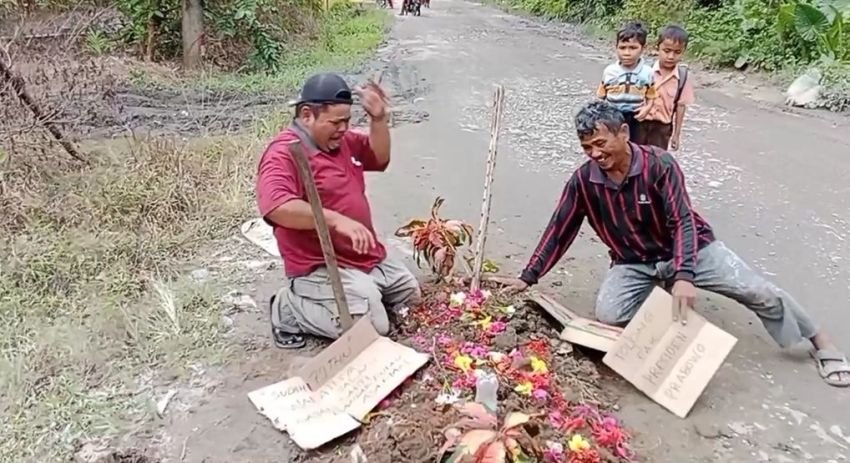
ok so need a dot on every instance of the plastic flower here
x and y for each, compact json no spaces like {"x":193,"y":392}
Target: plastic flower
{"x":578,"y":443}
{"x":538,"y":366}
{"x":464,"y":362}
{"x":524,"y":388}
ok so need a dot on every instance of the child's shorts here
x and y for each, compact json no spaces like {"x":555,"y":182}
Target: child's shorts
{"x":654,"y":133}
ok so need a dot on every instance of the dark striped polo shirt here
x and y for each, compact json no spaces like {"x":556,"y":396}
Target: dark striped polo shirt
{"x":646,"y":219}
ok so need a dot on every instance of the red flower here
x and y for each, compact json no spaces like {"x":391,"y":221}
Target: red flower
{"x":585,"y":456}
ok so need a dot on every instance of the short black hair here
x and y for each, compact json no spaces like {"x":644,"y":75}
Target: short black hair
{"x":315,"y":108}
{"x":598,"y":112}
{"x":673,"y":33}
{"x":633,"y":30}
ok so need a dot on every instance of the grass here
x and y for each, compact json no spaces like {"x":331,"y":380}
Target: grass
{"x":344,"y":38}
{"x":92,"y":299}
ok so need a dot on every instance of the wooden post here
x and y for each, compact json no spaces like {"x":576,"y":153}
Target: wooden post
{"x":303,"y":165}
{"x":481,"y":237}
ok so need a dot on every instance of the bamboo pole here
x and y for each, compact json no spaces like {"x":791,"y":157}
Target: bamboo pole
{"x":306,"y":175}
{"x":481,"y":238}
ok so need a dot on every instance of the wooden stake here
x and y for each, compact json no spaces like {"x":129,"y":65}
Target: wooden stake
{"x":322,"y":230}
{"x":481,"y":237}
{"x":17,"y":83}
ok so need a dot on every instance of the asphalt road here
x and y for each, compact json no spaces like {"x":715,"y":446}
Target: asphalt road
{"x":770,"y":182}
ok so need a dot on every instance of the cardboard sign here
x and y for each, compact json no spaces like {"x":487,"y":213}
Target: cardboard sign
{"x":337,"y":388}
{"x":260,"y":233}
{"x":579,"y":330}
{"x":670,"y":362}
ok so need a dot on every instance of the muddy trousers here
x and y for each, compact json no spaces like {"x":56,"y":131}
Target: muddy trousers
{"x":719,"y":270}
{"x":306,"y":304}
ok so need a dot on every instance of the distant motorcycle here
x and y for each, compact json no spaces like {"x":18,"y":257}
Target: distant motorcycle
{"x":413,"y":7}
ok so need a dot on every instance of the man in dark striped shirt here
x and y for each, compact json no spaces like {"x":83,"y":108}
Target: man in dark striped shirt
{"x":634,"y":198}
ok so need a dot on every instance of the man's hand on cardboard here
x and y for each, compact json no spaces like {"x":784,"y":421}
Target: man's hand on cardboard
{"x":684,"y":299}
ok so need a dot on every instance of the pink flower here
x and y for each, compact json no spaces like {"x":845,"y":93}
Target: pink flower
{"x":475,"y":350}
{"x":420,"y":341}
{"x":444,"y":340}
{"x":554,"y":453}
{"x":498,"y":327}
{"x":556,"y":419}
{"x":540,"y":394}
{"x":464,"y":382}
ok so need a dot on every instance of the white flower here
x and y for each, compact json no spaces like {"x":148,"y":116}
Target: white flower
{"x":448,"y":398}
{"x":496,"y":357}
{"x":485,"y":294}
{"x":457,"y":299}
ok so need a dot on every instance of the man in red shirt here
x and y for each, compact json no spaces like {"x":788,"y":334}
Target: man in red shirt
{"x":338,"y":158}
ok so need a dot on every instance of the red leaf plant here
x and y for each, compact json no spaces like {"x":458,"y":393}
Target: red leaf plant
{"x":437,"y":240}
{"x":478,"y":438}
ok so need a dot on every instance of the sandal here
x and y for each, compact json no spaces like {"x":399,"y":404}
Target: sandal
{"x":282,"y":339}
{"x":831,"y":364}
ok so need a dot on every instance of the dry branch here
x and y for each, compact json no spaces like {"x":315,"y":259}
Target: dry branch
{"x":11,"y":78}
{"x":306,"y":175}
{"x":481,"y":237}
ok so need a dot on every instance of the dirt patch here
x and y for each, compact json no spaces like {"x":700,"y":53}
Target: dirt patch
{"x":538,"y":374}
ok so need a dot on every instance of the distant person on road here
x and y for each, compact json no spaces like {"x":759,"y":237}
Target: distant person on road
{"x":635,"y":199}
{"x":627,"y":84}
{"x":663,"y":124}
{"x":338,"y":158}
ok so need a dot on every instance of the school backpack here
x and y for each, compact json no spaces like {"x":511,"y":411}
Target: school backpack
{"x":683,"y":78}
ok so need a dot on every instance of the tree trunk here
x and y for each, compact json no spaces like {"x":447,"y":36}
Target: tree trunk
{"x":193,"y":33}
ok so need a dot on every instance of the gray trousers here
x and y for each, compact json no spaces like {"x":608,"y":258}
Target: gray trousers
{"x":719,"y":270}
{"x":306,"y":304}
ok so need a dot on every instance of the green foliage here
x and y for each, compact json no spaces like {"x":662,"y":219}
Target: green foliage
{"x":822,"y":29}
{"x":655,"y":14}
{"x":98,"y":43}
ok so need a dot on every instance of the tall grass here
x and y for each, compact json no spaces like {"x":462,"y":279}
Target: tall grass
{"x":91,"y":294}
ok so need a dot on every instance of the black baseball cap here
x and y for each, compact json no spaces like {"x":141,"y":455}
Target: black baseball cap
{"x":325,"y":88}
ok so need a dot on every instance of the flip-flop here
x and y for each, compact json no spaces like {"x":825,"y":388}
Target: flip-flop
{"x":282,"y":339}
{"x":830,"y":364}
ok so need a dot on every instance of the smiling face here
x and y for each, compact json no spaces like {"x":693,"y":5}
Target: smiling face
{"x":605,"y":147}
{"x":327,"y":124}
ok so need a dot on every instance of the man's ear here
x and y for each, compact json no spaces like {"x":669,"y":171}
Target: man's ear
{"x":624,"y":132}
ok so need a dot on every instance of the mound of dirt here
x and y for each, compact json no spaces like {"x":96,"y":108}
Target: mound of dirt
{"x":467,"y":334}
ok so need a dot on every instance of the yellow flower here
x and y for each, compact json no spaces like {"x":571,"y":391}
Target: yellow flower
{"x":464,"y":362}
{"x":486,"y":322}
{"x":538,"y":366}
{"x":524,"y":388}
{"x":578,"y":443}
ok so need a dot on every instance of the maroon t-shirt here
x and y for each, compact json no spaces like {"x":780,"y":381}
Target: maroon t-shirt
{"x":342,"y":188}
